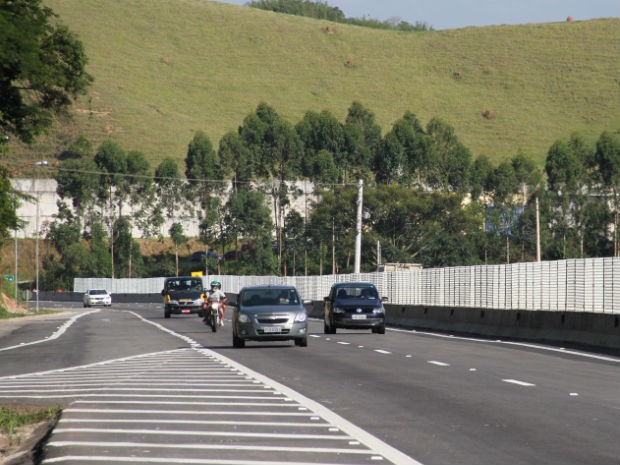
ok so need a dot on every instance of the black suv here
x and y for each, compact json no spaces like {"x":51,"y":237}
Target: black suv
{"x":183,"y":295}
{"x":354,"y":306}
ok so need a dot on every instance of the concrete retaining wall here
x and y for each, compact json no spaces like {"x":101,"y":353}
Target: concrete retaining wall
{"x":594,"y":330}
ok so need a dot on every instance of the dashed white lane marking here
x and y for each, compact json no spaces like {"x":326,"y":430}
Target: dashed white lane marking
{"x":516,"y":381}
{"x":344,"y":343}
{"x":439,"y":364}
{"x":381,"y":351}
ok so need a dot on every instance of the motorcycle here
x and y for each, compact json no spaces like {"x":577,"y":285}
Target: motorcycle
{"x":212,"y":314}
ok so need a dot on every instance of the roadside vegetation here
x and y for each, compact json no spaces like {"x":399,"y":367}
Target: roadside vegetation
{"x":167,"y":69}
{"x":429,"y":197}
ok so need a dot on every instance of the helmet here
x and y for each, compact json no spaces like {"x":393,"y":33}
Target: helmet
{"x":216,"y":284}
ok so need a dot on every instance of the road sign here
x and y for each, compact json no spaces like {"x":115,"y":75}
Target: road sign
{"x":9,"y":277}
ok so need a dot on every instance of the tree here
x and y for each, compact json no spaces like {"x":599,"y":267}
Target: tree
{"x":607,"y":159}
{"x":249,"y":218}
{"x":321,"y":134}
{"x":565,"y":179}
{"x":169,"y":191}
{"x":43,"y":68}
{"x":363,"y":137}
{"x":451,"y":160}
{"x":178,"y":238}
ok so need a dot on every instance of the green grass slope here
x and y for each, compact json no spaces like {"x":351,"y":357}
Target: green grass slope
{"x":166,"y":68}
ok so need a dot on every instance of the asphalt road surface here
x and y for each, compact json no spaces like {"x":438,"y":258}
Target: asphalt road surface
{"x":138,"y":388}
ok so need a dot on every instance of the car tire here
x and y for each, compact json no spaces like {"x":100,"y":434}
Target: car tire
{"x":238,"y":343}
{"x":166,"y":313}
{"x":301,"y":342}
{"x":379,"y":330}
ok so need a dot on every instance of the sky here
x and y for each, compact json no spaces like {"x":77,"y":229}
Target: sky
{"x":452,"y":14}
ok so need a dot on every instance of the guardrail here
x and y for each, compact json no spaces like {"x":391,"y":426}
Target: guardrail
{"x":579,"y":285}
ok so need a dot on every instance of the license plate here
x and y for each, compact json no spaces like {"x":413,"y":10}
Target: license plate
{"x":358,"y":317}
{"x":271,"y":329}
{"x":186,"y":310}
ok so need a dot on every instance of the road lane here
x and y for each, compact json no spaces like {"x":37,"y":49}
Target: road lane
{"x":441,"y":400}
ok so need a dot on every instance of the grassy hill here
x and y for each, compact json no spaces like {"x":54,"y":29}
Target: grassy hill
{"x":166,"y":68}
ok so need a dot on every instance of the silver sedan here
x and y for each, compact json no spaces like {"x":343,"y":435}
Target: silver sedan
{"x":269,"y":313}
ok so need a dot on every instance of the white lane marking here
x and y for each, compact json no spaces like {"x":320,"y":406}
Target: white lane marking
{"x":574,"y":394}
{"x":344,"y":343}
{"x":170,"y":461}
{"x":370,"y":441}
{"x":161,"y":421}
{"x":521,"y":344}
{"x":439,"y":364}
{"x":55,"y":335}
{"x":381,"y":351}
{"x":187,"y":433}
{"x":516,"y":381}
{"x":233,"y":447}
{"x":317,"y":412}
{"x":192,"y":412}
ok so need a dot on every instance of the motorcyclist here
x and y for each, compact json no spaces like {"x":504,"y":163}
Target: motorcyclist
{"x":217,"y":295}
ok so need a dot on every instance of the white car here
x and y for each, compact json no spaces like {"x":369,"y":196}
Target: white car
{"x":97,"y":297}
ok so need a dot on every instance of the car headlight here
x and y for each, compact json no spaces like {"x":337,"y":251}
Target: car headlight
{"x":301,"y":317}
{"x":338,"y":310}
{"x":173,"y":302}
{"x":243,"y":318}
{"x":378,"y":310}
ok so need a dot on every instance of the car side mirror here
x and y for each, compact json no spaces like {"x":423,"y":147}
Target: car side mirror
{"x":163,"y":291}
{"x":384,"y":299}
{"x":233,"y":302}
{"x":326,"y":299}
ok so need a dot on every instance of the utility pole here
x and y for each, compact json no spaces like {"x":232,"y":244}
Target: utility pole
{"x":358,"y":237}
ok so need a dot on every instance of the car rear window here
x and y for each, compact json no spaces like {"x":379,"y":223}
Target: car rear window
{"x":256,"y":297}
{"x":357,"y":292}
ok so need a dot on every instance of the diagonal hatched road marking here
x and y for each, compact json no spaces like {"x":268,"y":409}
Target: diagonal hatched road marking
{"x":193,"y":406}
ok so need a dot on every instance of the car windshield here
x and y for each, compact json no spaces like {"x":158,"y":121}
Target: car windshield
{"x":187,"y":284}
{"x":98,"y":292}
{"x":256,"y":297}
{"x":357,"y":292}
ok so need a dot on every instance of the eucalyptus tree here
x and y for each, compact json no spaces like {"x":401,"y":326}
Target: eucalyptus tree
{"x":565,"y":181}
{"x":64,"y":236}
{"x":248,"y":218}
{"x":607,"y":159}
{"x":127,"y":258}
{"x":324,"y":146}
{"x":449,"y":159}
{"x":389,"y":160}
{"x":279,"y":152}
{"x":235,"y":153}
{"x":506,"y":207}
{"x":363,"y":138}
{"x":416,"y":146}
{"x":178,"y":238}
{"x":169,"y":190}
{"x":331,"y":228}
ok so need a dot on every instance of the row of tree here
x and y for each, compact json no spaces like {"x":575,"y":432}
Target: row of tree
{"x":321,"y":10}
{"x":426,"y":200}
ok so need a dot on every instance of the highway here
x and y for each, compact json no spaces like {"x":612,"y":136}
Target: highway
{"x":138,"y":388}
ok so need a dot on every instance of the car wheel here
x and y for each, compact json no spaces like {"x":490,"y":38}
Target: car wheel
{"x":166,"y":313}
{"x":325,"y":327}
{"x":238,"y":343}
{"x":379,"y":330}
{"x":301,"y":341}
